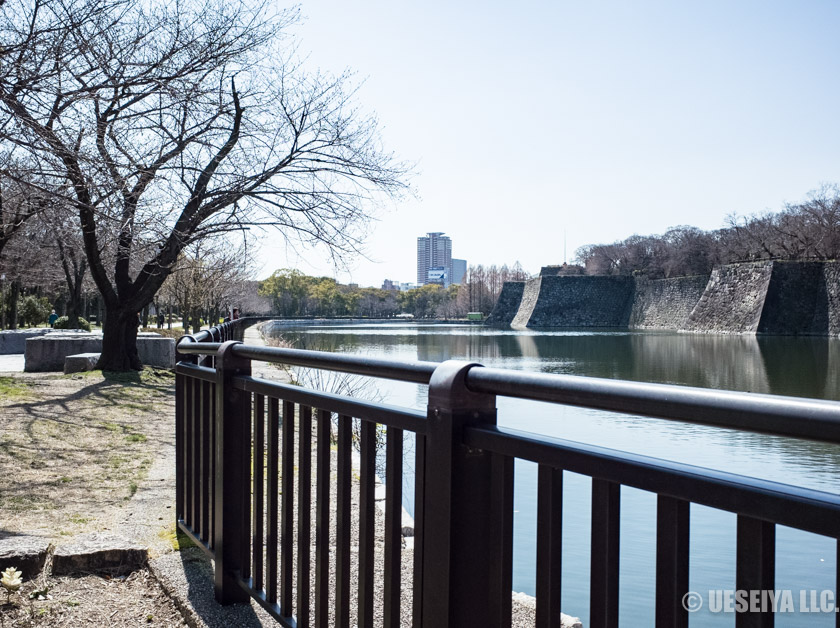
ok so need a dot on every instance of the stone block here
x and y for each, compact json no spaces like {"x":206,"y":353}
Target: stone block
{"x":80,"y":362}
{"x":96,"y":552}
{"x":49,"y":352}
{"x":13,"y":341}
{"x":156,"y":351}
{"x":27,"y":554}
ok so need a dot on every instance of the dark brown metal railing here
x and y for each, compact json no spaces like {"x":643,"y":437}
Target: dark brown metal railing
{"x":237,"y":496}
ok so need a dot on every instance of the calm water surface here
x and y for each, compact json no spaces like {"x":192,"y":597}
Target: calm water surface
{"x":808,"y":367}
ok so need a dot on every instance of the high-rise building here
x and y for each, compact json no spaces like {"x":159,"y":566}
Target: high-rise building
{"x":434,"y":251}
{"x":459,"y":269}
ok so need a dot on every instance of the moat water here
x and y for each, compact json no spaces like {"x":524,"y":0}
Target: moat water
{"x":807,"y":367}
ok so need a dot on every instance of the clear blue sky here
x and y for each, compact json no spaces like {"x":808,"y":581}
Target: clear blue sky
{"x":600,"y":119}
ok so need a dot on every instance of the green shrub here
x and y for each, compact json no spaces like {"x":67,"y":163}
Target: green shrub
{"x":33,"y":311}
{"x":64,"y":323}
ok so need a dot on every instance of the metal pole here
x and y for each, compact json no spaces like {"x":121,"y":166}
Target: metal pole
{"x":232,"y":508}
{"x":466,"y":562}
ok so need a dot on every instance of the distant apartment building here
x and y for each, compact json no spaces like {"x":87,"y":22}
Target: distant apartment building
{"x":390,"y":285}
{"x":434,"y":255}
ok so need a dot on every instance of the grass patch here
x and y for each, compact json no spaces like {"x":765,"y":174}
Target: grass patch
{"x":177,"y":539}
{"x":136,"y":438}
{"x":79,"y":519}
{"x":12,"y":388}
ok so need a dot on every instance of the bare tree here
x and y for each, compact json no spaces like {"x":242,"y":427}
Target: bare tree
{"x":175,"y":122}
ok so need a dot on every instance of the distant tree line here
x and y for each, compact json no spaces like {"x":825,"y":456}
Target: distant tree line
{"x":293,"y":294}
{"x":802,"y":231}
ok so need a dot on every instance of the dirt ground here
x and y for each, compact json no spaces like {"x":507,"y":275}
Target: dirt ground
{"x":73,"y":451}
{"x":90,"y":600}
{"x":73,"y":448}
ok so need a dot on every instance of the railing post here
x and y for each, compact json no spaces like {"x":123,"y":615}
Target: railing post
{"x":464,"y":569}
{"x":233,"y":481}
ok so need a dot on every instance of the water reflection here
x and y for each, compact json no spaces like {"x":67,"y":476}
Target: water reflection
{"x":799,"y":366}
{"x":804,"y":366}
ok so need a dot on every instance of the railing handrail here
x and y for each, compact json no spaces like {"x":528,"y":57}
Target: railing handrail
{"x":777,"y":415}
{"x":230,"y":442}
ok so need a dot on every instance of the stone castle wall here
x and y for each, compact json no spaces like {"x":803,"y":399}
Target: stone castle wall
{"x":733,"y":300}
{"x":665,"y":303}
{"x":768,"y":297}
{"x":530,"y":296}
{"x":603,"y":301}
{"x":508,"y":304}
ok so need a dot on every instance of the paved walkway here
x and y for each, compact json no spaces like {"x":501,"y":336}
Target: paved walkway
{"x":12,"y":362}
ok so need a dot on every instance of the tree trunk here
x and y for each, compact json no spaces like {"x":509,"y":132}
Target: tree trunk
{"x":74,"y":304}
{"x":119,"y":341}
{"x":14,"y":295}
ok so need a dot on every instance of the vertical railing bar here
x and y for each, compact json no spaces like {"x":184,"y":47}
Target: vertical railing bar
{"x":212,"y":524}
{"x":246,"y":452}
{"x":272,"y":498}
{"x":322,"y":521}
{"x":180,"y":433}
{"x":198,"y":413}
{"x":342,"y":568}
{"x":419,"y":516}
{"x":188,"y":454}
{"x":304,"y":514}
{"x":259,"y":490}
{"x":603,"y":590}
{"x":672,"y":561}
{"x":367,"y":501}
{"x":207,"y":457}
{"x":755,"y":566}
{"x":502,"y":483}
{"x":287,"y":461}
{"x":393,"y":526}
{"x":549,"y":546}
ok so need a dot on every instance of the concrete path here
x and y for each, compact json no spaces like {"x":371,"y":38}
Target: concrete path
{"x":11,"y":363}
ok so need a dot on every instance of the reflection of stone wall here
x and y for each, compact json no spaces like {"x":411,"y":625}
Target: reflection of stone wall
{"x":666,"y":303}
{"x":733,"y":300}
{"x":583,"y":302}
{"x":507,"y":305}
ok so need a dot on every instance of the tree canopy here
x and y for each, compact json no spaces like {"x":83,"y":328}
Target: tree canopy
{"x":161,"y":124}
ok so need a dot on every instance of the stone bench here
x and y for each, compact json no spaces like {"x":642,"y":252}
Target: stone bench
{"x":13,"y":341}
{"x":80,"y":362}
{"x":49,"y":352}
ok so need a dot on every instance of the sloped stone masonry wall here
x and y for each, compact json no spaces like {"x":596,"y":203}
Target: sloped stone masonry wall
{"x":530,"y":296}
{"x":597,"y":301}
{"x":666,"y":303}
{"x":768,"y":297}
{"x":733,"y":300}
{"x":507,"y":305}
{"x":831,"y":283}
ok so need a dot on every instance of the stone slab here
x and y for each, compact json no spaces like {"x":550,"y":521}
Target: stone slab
{"x":14,"y":340}
{"x":27,"y":554}
{"x":97,"y":552}
{"x":80,"y":362}
{"x":48,"y":353}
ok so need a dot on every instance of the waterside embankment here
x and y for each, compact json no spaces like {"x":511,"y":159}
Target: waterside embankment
{"x":768,"y":297}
